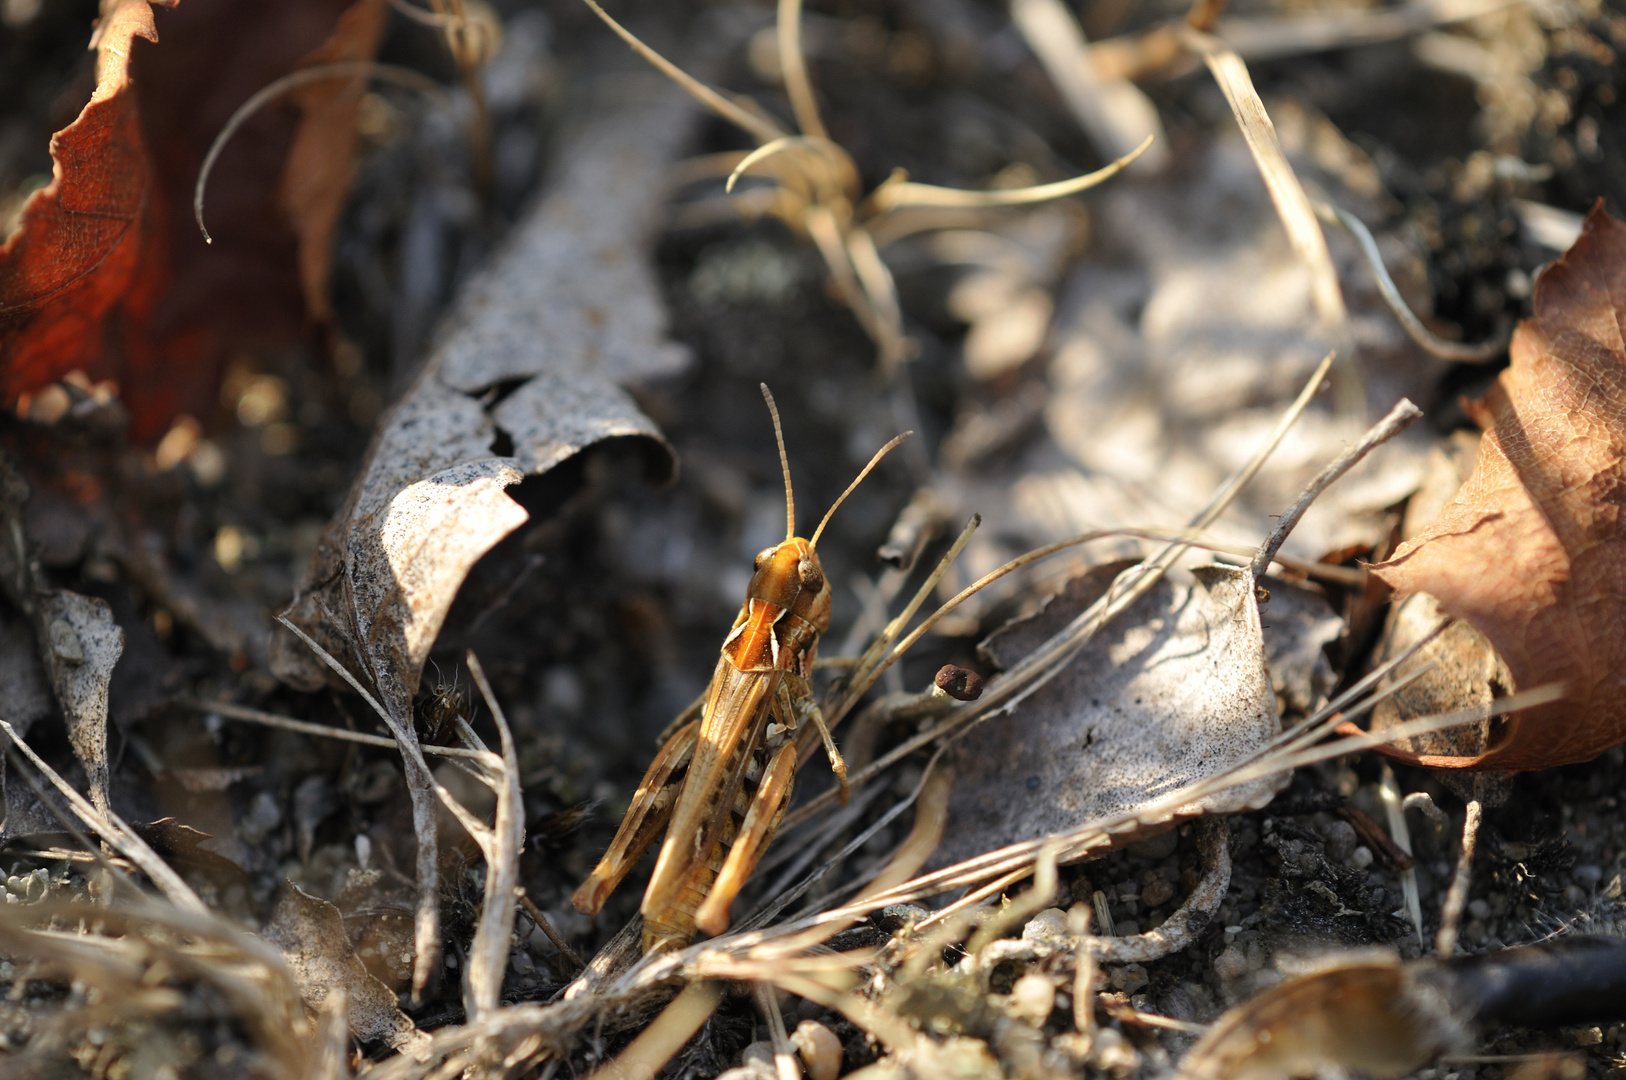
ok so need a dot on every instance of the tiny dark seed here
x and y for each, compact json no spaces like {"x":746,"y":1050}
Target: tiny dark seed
{"x":959,"y":683}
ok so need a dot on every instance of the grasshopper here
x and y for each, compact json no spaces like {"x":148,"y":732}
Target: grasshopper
{"x":721,"y":783}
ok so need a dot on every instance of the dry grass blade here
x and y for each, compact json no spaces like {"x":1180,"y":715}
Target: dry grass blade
{"x":1447,"y":350}
{"x":1010,"y":864}
{"x":897,"y":193}
{"x":1115,"y":113}
{"x":656,"y":1044}
{"x":488,"y":953}
{"x":339,"y":69}
{"x":150,"y":976}
{"x":729,"y":108}
{"x":112,"y":828}
{"x":1292,"y":204}
{"x":322,"y":731}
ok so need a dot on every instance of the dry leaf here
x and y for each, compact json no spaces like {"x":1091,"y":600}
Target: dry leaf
{"x":571,"y":312}
{"x":536,"y":349}
{"x":1174,"y":690}
{"x":310,"y":933}
{"x":1532,"y":551}
{"x":107,"y":273}
{"x":84,"y":645}
{"x":1360,"y":1017}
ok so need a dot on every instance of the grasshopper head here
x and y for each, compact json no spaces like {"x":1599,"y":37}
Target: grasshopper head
{"x":788,"y":576}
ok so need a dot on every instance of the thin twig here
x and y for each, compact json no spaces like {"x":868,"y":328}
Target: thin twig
{"x":488,"y":952}
{"x":1457,"y":898}
{"x":1399,"y":419}
{"x":540,"y":918}
{"x":338,"y":69}
{"x":321,"y":731}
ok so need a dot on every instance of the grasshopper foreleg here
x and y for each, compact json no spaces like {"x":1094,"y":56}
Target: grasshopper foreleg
{"x":797,"y":700}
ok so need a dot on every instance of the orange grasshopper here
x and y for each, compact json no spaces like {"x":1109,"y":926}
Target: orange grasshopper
{"x":738,"y":759}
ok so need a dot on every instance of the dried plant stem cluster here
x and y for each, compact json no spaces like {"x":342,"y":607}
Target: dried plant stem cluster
{"x":814,"y":187}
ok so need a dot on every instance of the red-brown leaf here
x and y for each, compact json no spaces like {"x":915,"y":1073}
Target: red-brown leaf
{"x":1532,"y":551}
{"x":108,"y":274}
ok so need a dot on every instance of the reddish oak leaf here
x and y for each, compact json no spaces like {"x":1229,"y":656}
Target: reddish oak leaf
{"x":1532,"y":551}
{"x":107,"y":273}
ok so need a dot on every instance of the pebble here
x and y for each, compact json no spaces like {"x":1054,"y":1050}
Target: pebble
{"x":1128,"y":978}
{"x":1341,"y":840}
{"x":1157,"y":892}
{"x":1049,"y":927}
{"x":821,"y":1049}
{"x":1032,"y":997}
{"x":1361,"y":857}
{"x":1231,"y":964}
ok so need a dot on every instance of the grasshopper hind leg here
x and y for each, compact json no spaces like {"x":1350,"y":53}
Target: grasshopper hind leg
{"x":762,"y":819}
{"x":646,"y":819}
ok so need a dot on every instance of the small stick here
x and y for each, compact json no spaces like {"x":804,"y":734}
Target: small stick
{"x":1399,"y":419}
{"x":540,"y":918}
{"x":1457,"y":898}
{"x":784,"y":1054}
{"x":1078,"y":921}
{"x":1375,"y":837}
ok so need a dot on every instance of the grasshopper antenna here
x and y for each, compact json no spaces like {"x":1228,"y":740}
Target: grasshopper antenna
{"x":784,"y":463}
{"x":859,"y":479}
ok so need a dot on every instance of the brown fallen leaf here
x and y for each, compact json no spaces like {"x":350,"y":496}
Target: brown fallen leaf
{"x":310,"y":933}
{"x":107,"y":273}
{"x":1532,"y":551}
{"x":1173,"y":691}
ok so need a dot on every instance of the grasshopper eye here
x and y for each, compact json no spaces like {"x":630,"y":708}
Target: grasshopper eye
{"x":808,"y":571}
{"x":764,"y":557}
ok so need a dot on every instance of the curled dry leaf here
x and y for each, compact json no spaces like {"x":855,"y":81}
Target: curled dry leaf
{"x":83,"y":646}
{"x":570,"y":312}
{"x":310,"y":933}
{"x":108,"y":275}
{"x":1174,"y":690}
{"x":537,"y":349}
{"x":1532,"y":551}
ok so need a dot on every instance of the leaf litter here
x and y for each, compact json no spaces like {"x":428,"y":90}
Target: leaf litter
{"x":1218,"y":905}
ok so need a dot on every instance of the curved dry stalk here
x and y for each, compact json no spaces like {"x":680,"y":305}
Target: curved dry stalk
{"x":898,"y":192}
{"x":793,"y":65}
{"x":488,"y":953}
{"x":1461,"y":352}
{"x":338,"y":69}
{"x":1286,"y":192}
{"x":827,"y":167}
{"x":759,"y":126}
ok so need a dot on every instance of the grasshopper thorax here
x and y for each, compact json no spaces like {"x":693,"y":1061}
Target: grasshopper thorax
{"x":789,"y":577}
{"x":786,"y":608}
